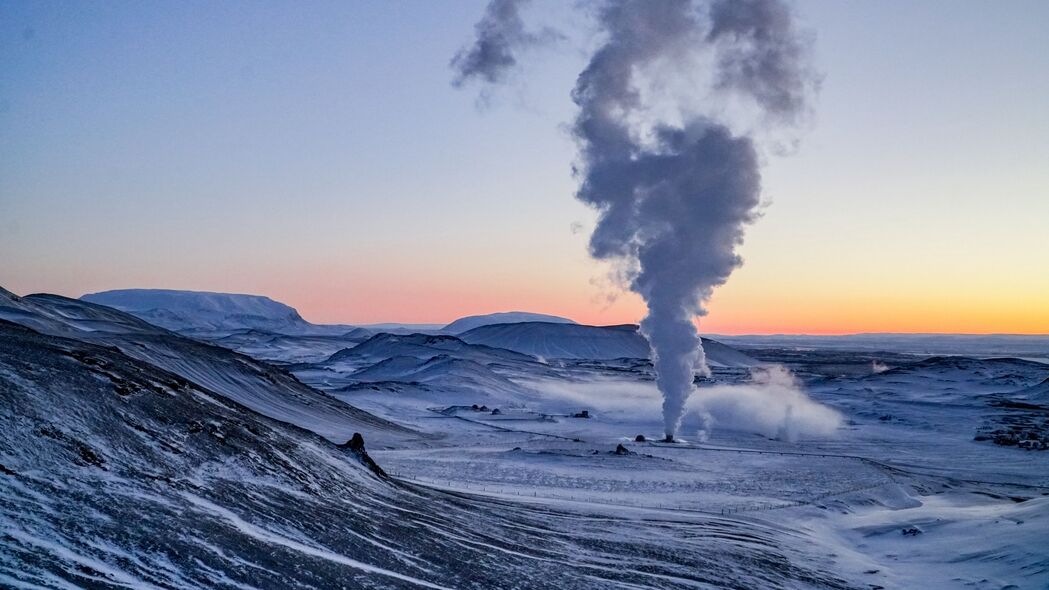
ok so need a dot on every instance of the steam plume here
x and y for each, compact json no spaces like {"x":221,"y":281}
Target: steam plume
{"x":665,"y":154}
{"x":500,"y":34}
{"x":674,"y":196}
{"x":771,"y":403}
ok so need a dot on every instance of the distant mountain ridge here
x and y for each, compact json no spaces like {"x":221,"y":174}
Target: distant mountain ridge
{"x":240,"y":322}
{"x":202,"y":311}
{"x":423,"y":346}
{"x":467,"y":323}
{"x":577,"y":341}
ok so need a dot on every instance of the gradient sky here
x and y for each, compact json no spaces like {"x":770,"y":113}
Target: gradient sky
{"x":316,"y":153}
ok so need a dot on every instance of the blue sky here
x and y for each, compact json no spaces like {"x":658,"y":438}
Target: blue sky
{"x":317,"y":153}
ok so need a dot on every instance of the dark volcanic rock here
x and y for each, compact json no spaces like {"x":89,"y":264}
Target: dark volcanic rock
{"x":356,"y":445}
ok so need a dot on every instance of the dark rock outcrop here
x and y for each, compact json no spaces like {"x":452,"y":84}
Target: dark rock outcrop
{"x":356,"y":446}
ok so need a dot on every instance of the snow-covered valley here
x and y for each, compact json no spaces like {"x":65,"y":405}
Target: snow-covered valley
{"x":135,"y":456}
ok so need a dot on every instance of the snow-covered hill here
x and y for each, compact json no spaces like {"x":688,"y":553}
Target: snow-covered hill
{"x":955,"y":379}
{"x":575,"y":341}
{"x":507,"y":317}
{"x":195,"y":311}
{"x":442,"y":371}
{"x":424,"y":346}
{"x":52,"y":314}
{"x":261,"y":387}
{"x":1036,"y":394}
{"x":285,"y":349}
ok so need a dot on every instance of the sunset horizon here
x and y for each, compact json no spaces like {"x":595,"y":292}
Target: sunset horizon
{"x":269,"y":172}
{"x":531,"y":294}
{"x":932,"y":317}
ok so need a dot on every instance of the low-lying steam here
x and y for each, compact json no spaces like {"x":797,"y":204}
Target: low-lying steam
{"x":772,"y":403}
{"x":668,"y":106}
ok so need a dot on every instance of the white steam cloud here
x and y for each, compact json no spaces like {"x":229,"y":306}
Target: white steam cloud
{"x":771,"y":404}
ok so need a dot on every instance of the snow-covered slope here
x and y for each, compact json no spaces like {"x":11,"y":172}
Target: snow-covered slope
{"x":117,"y":474}
{"x":257,"y":385}
{"x":288,"y":349}
{"x":423,"y":346}
{"x":58,"y":315}
{"x":194,"y":311}
{"x":441,"y":371}
{"x":507,"y":317}
{"x":575,"y":341}
{"x":723,"y":355}
{"x":1036,"y":394}
{"x":955,"y":379}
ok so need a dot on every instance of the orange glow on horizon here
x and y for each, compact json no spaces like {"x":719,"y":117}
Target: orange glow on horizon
{"x":731,"y":313}
{"x":781,"y":302}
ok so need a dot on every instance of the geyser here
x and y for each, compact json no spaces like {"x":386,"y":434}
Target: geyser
{"x":671,"y":105}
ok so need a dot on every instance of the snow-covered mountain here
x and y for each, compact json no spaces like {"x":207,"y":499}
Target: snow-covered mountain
{"x":507,"y":317}
{"x":575,"y":341}
{"x":196,"y":311}
{"x":432,"y":368}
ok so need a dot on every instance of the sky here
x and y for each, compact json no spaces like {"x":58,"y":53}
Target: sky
{"x":317,"y":153}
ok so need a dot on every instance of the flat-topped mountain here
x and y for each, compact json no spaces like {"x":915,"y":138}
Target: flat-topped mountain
{"x":199,"y":311}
